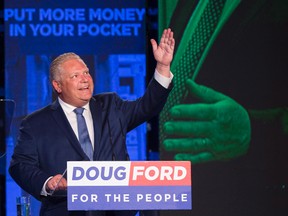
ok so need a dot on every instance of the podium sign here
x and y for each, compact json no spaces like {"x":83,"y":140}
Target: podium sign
{"x":129,"y":185}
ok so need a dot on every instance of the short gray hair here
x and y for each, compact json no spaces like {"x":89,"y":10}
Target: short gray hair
{"x":55,"y":66}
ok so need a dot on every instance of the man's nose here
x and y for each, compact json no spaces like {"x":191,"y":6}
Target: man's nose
{"x":84,"y":77}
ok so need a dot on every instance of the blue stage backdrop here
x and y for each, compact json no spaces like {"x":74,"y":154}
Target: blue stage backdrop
{"x":108,"y":35}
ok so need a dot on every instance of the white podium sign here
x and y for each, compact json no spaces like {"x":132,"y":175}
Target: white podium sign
{"x":128,"y":185}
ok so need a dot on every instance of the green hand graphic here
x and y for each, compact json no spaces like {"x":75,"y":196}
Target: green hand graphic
{"x":218,"y":128}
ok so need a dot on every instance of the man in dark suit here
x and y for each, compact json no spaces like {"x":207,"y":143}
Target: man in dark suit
{"x":49,"y":137}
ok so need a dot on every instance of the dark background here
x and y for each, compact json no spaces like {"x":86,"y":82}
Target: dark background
{"x":2,"y":129}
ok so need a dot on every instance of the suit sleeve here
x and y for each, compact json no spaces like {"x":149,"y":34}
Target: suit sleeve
{"x":144,"y":108}
{"x":24,"y":166}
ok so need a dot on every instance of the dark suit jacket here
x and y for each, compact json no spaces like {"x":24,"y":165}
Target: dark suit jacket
{"x":46,"y":140}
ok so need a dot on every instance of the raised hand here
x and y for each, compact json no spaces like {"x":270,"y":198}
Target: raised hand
{"x":163,"y":53}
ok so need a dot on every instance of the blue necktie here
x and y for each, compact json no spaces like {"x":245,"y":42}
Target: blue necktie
{"x":83,"y":133}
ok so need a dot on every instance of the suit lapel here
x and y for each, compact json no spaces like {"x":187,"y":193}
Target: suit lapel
{"x":96,"y":112}
{"x":64,"y":125}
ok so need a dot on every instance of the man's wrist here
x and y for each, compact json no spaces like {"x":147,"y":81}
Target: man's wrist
{"x":163,"y":80}
{"x":163,"y":69}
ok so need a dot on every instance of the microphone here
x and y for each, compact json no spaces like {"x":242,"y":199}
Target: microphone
{"x":110,"y":139}
{"x":124,"y":141}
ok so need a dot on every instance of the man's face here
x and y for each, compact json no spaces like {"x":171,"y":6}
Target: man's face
{"x":76,"y":85}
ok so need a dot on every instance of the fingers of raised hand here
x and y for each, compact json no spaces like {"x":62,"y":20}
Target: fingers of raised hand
{"x":196,"y":158}
{"x":191,"y":145}
{"x":168,"y":38}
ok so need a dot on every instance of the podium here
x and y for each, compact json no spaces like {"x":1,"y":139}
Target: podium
{"x":129,"y":185}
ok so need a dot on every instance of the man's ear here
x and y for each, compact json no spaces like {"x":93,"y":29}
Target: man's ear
{"x":57,"y":86}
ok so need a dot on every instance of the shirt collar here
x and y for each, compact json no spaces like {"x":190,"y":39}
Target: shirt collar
{"x":69,"y":108}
